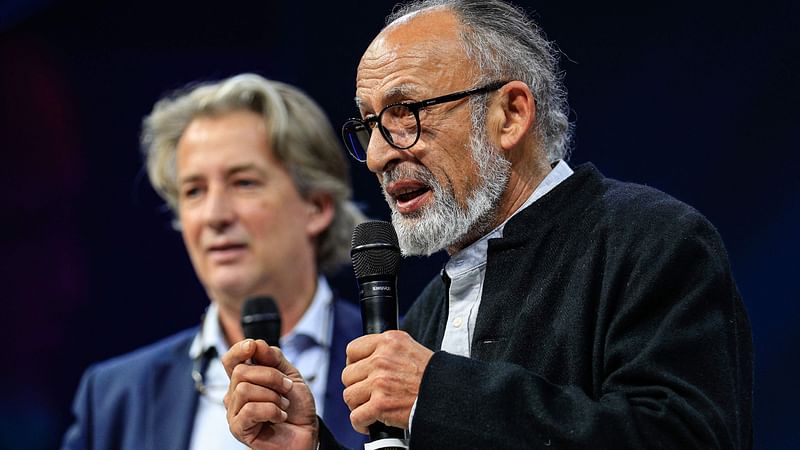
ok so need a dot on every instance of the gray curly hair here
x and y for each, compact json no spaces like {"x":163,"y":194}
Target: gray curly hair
{"x":506,"y":44}
{"x":301,"y":138}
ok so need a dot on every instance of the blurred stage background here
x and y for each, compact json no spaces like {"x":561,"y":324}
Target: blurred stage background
{"x":699,"y":100}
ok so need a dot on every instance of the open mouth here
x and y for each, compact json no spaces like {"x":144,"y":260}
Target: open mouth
{"x":409,"y":195}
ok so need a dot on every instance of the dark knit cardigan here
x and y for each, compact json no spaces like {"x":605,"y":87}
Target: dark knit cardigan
{"x":609,"y":320}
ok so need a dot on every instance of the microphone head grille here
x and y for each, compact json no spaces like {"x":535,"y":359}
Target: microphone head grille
{"x":374,"y":249}
{"x":261,"y":320}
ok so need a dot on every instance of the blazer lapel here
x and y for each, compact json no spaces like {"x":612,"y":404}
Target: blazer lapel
{"x":337,"y":415}
{"x":173,"y":401}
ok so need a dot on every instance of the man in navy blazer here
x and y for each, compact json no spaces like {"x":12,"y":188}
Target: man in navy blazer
{"x":259,"y":186}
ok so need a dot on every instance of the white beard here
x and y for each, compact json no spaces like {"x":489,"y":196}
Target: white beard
{"x":444,"y":223}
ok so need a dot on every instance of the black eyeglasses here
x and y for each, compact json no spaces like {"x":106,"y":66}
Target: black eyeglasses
{"x":399,"y":122}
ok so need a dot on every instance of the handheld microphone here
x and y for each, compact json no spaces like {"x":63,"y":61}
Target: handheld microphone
{"x":261,"y":320}
{"x":376,"y":258}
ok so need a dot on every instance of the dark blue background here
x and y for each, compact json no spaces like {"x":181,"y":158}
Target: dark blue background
{"x":699,"y":100}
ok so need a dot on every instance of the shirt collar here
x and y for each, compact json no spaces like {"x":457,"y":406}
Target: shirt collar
{"x":317,"y":313}
{"x":474,"y":255}
{"x":561,"y":171}
{"x":210,"y":334}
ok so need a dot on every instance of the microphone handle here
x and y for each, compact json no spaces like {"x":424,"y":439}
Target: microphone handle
{"x":379,"y":314}
{"x":379,"y":431}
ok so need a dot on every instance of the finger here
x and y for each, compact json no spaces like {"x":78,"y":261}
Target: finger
{"x":355,"y":372}
{"x":380,"y":351}
{"x":268,"y":377}
{"x":238,"y":354}
{"x":253,"y":416}
{"x":274,"y":357}
{"x":379,"y":408}
{"x":262,"y":412}
{"x":362,"y":417}
{"x":265,"y":355}
{"x":356,"y":395}
{"x":283,"y":364}
{"x":361,"y":347}
{"x":245,"y":393}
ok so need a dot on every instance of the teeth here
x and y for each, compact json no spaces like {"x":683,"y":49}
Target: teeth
{"x":406,"y":191}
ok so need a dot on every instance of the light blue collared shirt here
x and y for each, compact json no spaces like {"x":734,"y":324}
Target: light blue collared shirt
{"x":307,"y":347}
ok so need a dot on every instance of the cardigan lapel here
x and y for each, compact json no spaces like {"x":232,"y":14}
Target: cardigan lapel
{"x":497,"y":307}
{"x":505,"y":282}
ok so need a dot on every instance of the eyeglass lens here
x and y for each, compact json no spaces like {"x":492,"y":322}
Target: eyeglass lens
{"x":356,"y":138}
{"x":398,"y":125}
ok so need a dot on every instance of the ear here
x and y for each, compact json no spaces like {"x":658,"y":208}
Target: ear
{"x":320,"y":213}
{"x":517,"y":115}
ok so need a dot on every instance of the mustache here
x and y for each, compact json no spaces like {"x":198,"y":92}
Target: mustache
{"x":405,"y":171}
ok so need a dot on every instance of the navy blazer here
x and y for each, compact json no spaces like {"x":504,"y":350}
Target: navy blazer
{"x":146,"y":400}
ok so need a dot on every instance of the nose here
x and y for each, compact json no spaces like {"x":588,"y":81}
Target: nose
{"x":381,"y":156}
{"x":219,"y":212}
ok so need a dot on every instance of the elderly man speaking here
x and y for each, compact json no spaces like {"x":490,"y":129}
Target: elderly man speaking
{"x":575,"y":311}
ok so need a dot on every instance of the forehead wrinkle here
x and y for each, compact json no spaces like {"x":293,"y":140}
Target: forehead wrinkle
{"x":228,"y":171}
{"x":392,"y":95}
{"x":400,"y":63}
{"x":419,"y":59}
{"x":401,"y":90}
{"x":405,"y":89}
{"x":243,"y":167}
{"x":406,"y":82}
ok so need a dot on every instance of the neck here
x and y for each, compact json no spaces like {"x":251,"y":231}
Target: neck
{"x":529,"y":168}
{"x":292,"y":304}
{"x":520,"y":187}
{"x":525,"y":177}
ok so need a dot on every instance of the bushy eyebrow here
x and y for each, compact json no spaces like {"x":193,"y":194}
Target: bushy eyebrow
{"x":391,"y":95}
